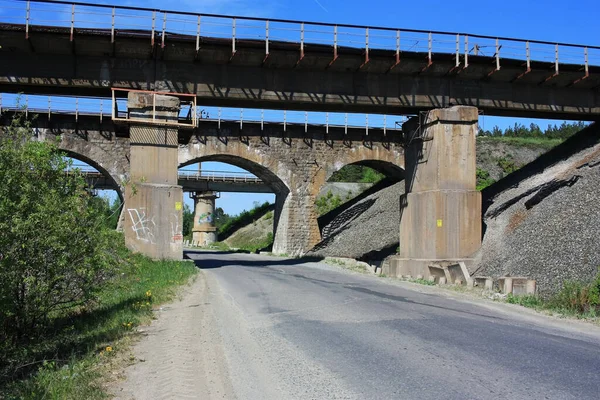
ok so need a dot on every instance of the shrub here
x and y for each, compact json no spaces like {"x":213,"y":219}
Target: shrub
{"x":327,"y":203}
{"x":54,"y":243}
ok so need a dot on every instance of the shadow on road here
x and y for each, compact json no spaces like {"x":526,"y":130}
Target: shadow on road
{"x":211,"y":263}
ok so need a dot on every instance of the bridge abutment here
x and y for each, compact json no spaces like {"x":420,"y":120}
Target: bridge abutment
{"x":204,"y":231}
{"x":153,"y":200}
{"x":440,"y":217}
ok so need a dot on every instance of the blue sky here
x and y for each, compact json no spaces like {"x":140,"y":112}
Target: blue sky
{"x":548,"y":20}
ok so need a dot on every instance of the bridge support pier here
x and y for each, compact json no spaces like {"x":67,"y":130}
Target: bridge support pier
{"x":440,"y":217}
{"x":204,"y":231}
{"x":297,"y":229}
{"x":153,"y":200}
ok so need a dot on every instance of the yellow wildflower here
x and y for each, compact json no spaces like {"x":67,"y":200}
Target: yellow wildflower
{"x":109,"y":349}
{"x":148,"y":294}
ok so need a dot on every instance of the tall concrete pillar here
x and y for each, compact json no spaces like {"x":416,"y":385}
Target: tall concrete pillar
{"x":441,"y":211}
{"x":204,"y":231}
{"x":153,"y":200}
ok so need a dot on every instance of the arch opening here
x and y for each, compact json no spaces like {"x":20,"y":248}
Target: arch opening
{"x":235,"y":197}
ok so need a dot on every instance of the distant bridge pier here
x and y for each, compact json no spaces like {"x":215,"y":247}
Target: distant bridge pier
{"x":440,"y":217}
{"x":204,"y":231}
{"x":153,"y":199}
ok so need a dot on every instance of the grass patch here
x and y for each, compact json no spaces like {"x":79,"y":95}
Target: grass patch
{"x":422,"y":282}
{"x":537,"y":142}
{"x":70,"y":361}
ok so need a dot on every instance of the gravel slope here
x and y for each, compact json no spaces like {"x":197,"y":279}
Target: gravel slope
{"x":544,"y":225}
{"x":371,"y":225}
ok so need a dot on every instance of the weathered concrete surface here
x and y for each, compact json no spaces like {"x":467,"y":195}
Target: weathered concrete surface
{"x":204,"y":231}
{"x":91,"y":65}
{"x":440,"y":213}
{"x":153,"y":200}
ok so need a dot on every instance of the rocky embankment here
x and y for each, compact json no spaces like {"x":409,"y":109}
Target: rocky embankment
{"x":541,"y":222}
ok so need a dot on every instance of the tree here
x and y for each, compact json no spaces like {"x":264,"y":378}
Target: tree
{"x":188,"y":221}
{"x":54,"y":251}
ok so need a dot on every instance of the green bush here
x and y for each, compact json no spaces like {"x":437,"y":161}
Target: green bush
{"x":54,"y":251}
{"x":327,"y":203}
{"x":483,"y":179}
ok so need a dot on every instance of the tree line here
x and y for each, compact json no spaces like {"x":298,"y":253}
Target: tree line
{"x":562,"y":131}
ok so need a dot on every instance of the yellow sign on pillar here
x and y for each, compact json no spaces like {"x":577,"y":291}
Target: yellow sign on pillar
{"x":439,"y":223}
{"x":178,"y":206}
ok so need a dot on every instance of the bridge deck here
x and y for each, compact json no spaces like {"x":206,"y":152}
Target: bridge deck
{"x":501,"y":76}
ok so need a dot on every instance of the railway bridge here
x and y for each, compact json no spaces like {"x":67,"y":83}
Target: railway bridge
{"x":162,"y":60}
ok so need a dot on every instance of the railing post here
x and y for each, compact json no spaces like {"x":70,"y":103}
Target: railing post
{"x":466,"y":51}
{"x":430,"y":47}
{"x":305,"y":121}
{"x":76,"y":109}
{"x":233,"y":39}
{"x":112,"y":29}
{"x":219,"y":120}
{"x":153,"y":107}
{"x":72,"y":20}
{"x":114,"y":104}
{"x":26,"y":106}
{"x":587,"y":66}
{"x":345,"y":123}
{"x":284,"y":120}
{"x":164,"y":29}
{"x":398,"y":47}
{"x":301,"y":40}
{"x":367,"y":124}
{"x":556,"y":59}
{"x":49,"y":107}
{"x":457,"y":50}
{"x":335,"y":35}
{"x":101,"y":109}
{"x":153,"y":28}
{"x":198,"y":35}
{"x":367,"y":45}
{"x":241,"y":119}
{"x":527,"y":50}
{"x":267,"y":39}
{"x":262,"y":120}
{"x":497,"y":55}
{"x":327,"y":123}
{"x":384,"y":124}
{"x":27,"y":20}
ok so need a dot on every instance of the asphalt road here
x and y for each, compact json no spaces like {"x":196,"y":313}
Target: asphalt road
{"x":297,"y":330}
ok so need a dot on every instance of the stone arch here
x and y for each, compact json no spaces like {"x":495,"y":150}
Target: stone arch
{"x":107,"y":153}
{"x":281,"y":227}
{"x":114,"y":183}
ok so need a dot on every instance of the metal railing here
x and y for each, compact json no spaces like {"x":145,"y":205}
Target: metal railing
{"x":219,"y":176}
{"x":102,"y":108}
{"x":159,"y":25}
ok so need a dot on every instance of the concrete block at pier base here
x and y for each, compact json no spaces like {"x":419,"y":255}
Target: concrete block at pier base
{"x":450,"y":270}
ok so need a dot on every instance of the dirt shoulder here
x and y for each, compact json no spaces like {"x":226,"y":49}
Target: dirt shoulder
{"x":180,"y":355}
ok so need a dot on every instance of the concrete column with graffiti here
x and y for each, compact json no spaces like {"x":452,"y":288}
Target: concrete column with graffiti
{"x":204,"y":231}
{"x":153,"y":199}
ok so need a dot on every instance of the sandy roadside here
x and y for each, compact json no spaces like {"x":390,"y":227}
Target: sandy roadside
{"x":181,"y":353}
